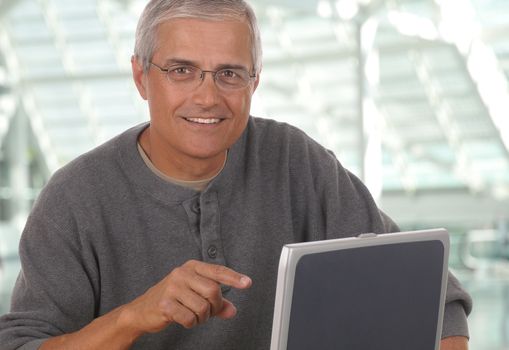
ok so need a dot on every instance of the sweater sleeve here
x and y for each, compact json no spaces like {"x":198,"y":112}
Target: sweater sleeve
{"x":53,"y":293}
{"x":458,"y":303}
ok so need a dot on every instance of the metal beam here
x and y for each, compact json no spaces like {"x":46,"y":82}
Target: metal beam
{"x":17,"y":151}
{"x":442,"y":208}
{"x":74,"y":77}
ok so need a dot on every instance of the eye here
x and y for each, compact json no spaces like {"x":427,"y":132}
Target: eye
{"x":228,"y":74}
{"x":182,"y":70}
{"x":179,"y":73}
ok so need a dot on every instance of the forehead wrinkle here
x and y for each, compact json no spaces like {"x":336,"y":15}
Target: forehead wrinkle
{"x":187,"y":39}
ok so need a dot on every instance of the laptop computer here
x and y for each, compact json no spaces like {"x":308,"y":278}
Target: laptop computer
{"x":371,"y":292}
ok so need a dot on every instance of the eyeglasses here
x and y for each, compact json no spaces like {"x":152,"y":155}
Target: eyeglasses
{"x":190,"y":77}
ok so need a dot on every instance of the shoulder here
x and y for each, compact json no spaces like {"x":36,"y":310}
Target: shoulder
{"x":92,"y":171}
{"x":275,"y":136}
{"x":262,"y":127}
{"x":290,"y":149}
{"x":103,"y":158}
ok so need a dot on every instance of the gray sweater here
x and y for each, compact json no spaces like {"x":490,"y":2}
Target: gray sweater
{"x":106,"y":228}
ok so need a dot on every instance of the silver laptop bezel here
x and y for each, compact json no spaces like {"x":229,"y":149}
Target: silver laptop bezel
{"x":292,"y":253}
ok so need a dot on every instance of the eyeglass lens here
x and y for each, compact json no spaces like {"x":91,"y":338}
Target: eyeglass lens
{"x":228,"y":78}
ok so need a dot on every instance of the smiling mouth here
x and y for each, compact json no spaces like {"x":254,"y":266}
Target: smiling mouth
{"x":206,"y":121}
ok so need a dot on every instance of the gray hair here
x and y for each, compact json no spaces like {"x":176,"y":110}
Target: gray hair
{"x":159,"y":11}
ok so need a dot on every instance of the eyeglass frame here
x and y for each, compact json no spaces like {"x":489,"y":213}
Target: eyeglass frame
{"x":202,"y":75}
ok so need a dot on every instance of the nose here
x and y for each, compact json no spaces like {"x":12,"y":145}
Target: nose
{"x":207,"y":93}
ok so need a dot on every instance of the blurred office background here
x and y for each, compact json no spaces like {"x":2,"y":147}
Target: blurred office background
{"x":411,"y":95}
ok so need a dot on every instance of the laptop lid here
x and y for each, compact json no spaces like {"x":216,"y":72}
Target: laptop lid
{"x":383,"y":292}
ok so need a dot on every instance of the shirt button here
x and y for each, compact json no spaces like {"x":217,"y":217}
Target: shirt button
{"x":212,"y":251}
{"x":195,"y":208}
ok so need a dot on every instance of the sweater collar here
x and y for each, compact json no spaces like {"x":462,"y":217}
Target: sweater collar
{"x":144,"y":179}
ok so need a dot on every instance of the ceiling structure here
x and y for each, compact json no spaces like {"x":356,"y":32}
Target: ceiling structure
{"x":411,"y":95}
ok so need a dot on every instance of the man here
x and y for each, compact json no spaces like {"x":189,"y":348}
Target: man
{"x":168,"y":236}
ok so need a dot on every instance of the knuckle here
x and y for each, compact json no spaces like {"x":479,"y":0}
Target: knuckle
{"x":190,"y":263}
{"x":168,"y":306}
{"x":219,"y":270}
{"x":203,"y":309}
{"x":175,"y":273}
{"x":188,"y":320}
{"x":171,"y":290}
{"x":211,"y":291}
{"x":165,"y":305}
{"x":179,"y":274}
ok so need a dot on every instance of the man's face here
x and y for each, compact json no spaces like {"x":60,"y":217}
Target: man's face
{"x":180,"y":120}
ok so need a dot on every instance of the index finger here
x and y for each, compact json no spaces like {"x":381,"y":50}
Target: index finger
{"x":223,"y":275}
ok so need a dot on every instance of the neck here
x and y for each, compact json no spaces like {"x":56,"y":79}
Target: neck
{"x":180,"y":166}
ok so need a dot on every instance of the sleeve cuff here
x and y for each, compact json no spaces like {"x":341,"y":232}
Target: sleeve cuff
{"x":33,"y":345}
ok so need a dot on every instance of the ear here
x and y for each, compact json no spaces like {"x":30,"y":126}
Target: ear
{"x":139,"y":77}
{"x":257,"y":81}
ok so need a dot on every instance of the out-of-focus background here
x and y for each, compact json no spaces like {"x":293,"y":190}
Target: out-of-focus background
{"x":411,"y":95}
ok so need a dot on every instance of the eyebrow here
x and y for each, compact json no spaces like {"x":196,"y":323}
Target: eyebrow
{"x":174,"y":61}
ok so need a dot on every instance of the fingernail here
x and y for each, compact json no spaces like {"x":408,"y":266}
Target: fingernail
{"x":244,"y":280}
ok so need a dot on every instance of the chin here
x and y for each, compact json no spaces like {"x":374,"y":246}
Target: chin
{"x":199,"y":154}
{"x":207,"y":150}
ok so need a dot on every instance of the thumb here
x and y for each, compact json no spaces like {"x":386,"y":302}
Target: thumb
{"x":228,"y":311}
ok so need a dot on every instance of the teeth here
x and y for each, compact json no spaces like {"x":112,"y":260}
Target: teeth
{"x":204,"y":121}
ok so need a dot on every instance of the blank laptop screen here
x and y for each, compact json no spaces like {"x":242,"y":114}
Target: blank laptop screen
{"x":382,"y":297}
